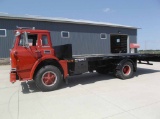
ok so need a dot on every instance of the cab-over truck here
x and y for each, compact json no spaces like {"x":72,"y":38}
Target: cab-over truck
{"x":34,"y":58}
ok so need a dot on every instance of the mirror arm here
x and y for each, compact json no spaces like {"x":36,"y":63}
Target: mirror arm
{"x":26,"y":40}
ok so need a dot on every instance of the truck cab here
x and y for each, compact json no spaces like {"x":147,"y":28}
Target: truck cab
{"x":31,"y":51}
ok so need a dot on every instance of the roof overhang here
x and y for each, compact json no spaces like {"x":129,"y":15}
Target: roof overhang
{"x":65,"y":20}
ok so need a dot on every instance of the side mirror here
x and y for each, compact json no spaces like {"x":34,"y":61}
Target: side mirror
{"x":17,"y":33}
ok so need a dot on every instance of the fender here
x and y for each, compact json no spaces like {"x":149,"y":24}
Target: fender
{"x":39,"y":61}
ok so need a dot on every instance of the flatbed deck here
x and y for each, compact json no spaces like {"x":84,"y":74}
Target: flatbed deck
{"x":138,"y":56}
{"x":65,"y":52}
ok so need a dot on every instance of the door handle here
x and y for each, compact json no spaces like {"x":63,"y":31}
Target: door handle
{"x":37,"y":51}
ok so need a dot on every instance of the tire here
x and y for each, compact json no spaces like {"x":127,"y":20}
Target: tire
{"x":102,"y":70}
{"x":125,"y":71}
{"x":48,"y":78}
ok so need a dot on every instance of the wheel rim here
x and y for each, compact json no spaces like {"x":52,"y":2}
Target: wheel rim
{"x":49,"y":78}
{"x":126,"y":70}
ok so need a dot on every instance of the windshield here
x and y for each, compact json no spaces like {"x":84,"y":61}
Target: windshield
{"x":17,"y":33}
{"x":14,"y":41}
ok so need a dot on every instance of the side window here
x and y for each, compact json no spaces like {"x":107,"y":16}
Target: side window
{"x":22,"y":40}
{"x":65,"y":34}
{"x":44,"y":40}
{"x":3,"y":33}
{"x":32,"y":40}
{"x":103,"y":36}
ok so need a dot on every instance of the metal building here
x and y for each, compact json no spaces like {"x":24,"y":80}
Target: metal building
{"x":86,"y":37}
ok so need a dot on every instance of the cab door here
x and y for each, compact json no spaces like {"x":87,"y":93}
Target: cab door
{"x":26,"y":56}
{"x":46,"y":45}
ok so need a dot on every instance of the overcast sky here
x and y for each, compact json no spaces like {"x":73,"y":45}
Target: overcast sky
{"x":144,"y":14}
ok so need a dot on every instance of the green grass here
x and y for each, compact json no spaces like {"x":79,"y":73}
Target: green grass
{"x":150,"y":51}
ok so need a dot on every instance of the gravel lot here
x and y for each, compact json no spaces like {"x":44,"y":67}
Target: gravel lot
{"x":4,"y":61}
{"x":88,"y":96}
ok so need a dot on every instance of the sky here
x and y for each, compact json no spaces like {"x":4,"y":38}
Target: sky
{"x":144,"y":14}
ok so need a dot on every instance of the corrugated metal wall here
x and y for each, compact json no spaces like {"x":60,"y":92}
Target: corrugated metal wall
{"x":85,"y":39}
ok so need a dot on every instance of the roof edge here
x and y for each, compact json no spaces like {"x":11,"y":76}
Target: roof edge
{"x":65,"y":20}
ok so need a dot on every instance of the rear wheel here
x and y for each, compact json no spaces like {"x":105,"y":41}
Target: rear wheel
{"x":125,"y":71}
{"x":48,"y":78}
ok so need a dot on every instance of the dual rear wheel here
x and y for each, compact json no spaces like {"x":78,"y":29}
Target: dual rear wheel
{"x":125,"y":71}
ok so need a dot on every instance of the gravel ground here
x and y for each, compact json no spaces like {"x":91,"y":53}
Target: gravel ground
{"x":4,"y":61}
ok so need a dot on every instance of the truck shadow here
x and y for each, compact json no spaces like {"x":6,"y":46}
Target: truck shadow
{"x":88,"y":78}
{"x":95,"y":77}
{"x":29,"y":87}
{"x":142,"y":71}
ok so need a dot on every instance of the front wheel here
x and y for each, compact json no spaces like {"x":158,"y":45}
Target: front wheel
{"x":125,"y":71}
{"x":48,"y":78}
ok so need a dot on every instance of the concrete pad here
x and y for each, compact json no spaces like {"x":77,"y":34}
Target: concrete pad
{"x":8,"y":94}
{"x":32,"y":109}
{"x":78,"y":105}
{"x":4,"y":77}
{"x":9,"y":104}
{"x":151,"y":111}
{"x":8,"y":111}
{"x":130,"y":97}
{"x":75,"y":103}
{"x":122,"y":116}
{"x":88,"y":96}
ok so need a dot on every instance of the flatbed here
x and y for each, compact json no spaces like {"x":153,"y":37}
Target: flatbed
{"x":140,"y":57}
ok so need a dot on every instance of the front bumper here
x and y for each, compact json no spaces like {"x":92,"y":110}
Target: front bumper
{"x":13,"y":76}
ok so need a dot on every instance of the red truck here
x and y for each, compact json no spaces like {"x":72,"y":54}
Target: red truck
{"x":34,"y":58}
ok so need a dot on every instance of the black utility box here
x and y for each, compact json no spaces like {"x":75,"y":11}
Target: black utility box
{"x":78,"y":67}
